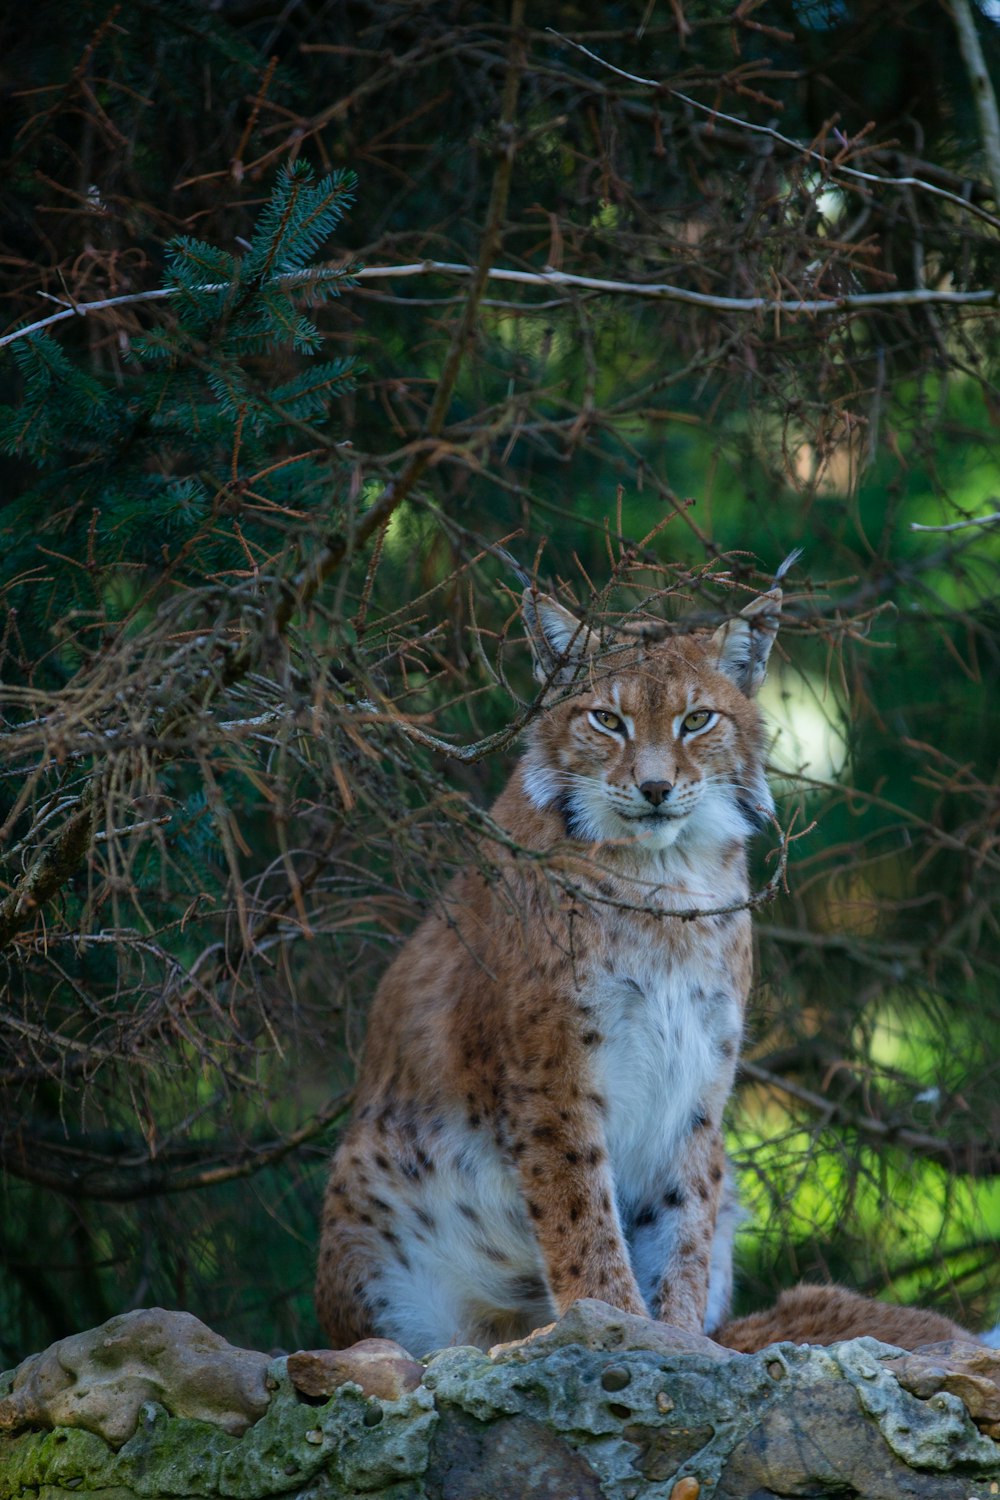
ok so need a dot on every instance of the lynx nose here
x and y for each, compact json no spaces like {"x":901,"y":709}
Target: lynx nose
{"x":656,"y":791}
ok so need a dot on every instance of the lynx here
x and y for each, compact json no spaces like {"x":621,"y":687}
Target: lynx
{"x":826,"y":1314}
{"x":538,"y":1115}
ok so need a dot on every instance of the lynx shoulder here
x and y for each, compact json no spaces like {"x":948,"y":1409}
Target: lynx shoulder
{"x":538,"y":1113}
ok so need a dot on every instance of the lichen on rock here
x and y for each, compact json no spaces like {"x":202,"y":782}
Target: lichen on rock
{"x":965,"y":1368}
{"x":601,"y":1406}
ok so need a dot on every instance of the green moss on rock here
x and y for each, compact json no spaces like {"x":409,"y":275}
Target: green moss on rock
{"x":600,"y":1407}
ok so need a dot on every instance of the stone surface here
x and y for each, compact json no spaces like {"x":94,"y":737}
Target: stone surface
{"x":99,"y":1380}
{"x":512,"y":1459}
{"x":967,"y":1369}
{"x":816,"y":1445}
{"x":600,"y":1406}
{"x":379,"y":1366}
{"x":595,"y":1325}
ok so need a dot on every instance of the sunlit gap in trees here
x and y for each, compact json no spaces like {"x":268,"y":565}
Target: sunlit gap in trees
{"x":807,"y":723}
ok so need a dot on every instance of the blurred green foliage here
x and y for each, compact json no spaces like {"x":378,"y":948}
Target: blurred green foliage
{"x":179,"y":629}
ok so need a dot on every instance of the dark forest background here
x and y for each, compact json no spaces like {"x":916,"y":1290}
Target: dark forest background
{"x":260,"y":670}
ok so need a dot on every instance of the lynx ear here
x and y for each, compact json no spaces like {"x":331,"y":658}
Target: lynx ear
{"x":559,"y":641}
{"x":743,"y":644}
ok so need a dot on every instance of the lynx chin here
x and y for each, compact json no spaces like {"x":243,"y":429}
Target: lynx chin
{"x":538,"y":1116}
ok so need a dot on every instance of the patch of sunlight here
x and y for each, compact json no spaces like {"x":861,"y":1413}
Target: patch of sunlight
{"x":807,"y":724}
{"x":398,"y":540}
{"x":788,"y":1170}
{"x":911,"y":1215}
{"x":808,"y":1189}
{"x":975,"y":493}
{"x":831,"y":201}
{"x":541,"y":338}
{"x":888,"y":1046}
{"x":924,"y":1205}
{"x":607,"y":215}
{"x":831,"y":204}
{"x":899,"y":1036}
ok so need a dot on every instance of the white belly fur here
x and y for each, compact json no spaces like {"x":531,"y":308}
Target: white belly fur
{"x":662,"y":1028}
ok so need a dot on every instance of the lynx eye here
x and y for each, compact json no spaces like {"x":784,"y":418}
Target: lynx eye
{"x":607,"y":719}
{"x":697,"y":720}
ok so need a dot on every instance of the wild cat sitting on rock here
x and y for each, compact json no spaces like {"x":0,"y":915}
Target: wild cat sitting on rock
{"x":539,"y":1110}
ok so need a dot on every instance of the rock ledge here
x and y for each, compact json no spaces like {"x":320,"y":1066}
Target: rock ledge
{"x":154,"y":1404}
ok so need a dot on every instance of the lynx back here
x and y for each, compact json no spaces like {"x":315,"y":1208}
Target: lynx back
{"x":538,"y":1116}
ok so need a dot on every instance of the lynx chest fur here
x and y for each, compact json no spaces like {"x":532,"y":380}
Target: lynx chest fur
{"x":539,"y":1109}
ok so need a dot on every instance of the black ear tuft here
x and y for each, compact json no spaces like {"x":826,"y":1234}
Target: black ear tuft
{"x":523,"y":577}
{"x":789,"y":562}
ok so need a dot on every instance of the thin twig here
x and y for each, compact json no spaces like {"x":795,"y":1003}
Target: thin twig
{"x":799,"y":146}
{"x":153,"y":1176}
{"x":661,"y":291}
{"x":970,"y":1158}
{"x":983,"y":96}
{"x":959,"y":525}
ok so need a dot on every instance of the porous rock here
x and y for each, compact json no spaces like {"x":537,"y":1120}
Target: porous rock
{"x":600,"y":1406}
{"x":99,"y":1380}
{"x":967,"y":1369}
{"x":595,"y":1325}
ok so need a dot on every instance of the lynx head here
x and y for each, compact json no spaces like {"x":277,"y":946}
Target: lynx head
{"x":651,"y":742}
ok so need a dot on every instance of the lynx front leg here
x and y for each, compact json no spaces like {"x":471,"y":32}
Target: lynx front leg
{"x":569,"y":1195}
{"x":673,"y":1235}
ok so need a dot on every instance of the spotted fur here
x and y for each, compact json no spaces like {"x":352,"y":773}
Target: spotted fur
{"x":539,"y":1109}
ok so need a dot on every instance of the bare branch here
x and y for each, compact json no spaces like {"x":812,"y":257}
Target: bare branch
{"x":799,"y":147}
{"x":148,"y":1175}
{"x":968,"y":1158}
{"x":660,"y":291}
{"x":982,"y":88}
{"x":989,"y":520}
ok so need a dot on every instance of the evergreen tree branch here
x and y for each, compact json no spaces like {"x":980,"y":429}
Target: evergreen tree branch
{"x":59,"y":862}
{"x":396,"y":491}
{"x":52,"y":867}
